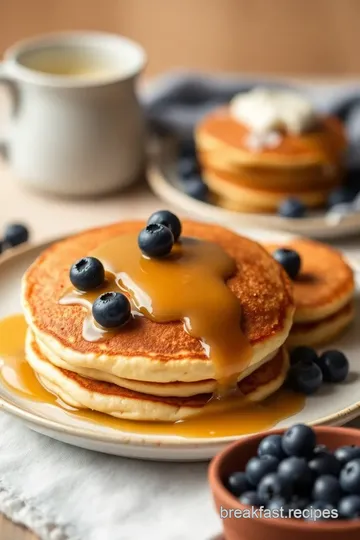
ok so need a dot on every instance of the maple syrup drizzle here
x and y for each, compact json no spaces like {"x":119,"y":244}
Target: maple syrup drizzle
{"x":189,"y":285}
{"x":236,"y":417}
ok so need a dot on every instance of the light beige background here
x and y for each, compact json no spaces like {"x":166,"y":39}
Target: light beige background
{"x":311,"y":37}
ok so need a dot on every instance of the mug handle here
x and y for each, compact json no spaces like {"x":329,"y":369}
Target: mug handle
{"x":6,"y":80}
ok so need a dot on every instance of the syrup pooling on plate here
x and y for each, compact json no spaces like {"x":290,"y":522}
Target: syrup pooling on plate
{"x":188,"y":285}
{"x":228,"y":418}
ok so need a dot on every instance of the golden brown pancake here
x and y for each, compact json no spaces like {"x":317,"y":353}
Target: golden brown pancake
{"x":145,"y":350}
{"x":81,"y":392}
{"x":220,"y":131}
{"x":323,"y":293}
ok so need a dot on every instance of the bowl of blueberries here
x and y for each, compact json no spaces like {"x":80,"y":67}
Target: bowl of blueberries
{"x":287,"y":484}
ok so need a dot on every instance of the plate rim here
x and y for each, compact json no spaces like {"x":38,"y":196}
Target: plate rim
{"x":129,"y":438}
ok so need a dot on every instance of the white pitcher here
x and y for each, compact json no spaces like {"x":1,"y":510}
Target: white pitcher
{"x":76,"y":126}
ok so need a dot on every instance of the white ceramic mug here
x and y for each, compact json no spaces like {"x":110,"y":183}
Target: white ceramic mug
{"x":76,"y":126}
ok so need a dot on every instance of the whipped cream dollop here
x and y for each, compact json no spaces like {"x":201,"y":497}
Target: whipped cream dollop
{"x":266,"y":110}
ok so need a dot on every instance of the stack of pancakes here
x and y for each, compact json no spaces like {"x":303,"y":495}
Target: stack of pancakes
{"x":248,"y":172}
{"x":148,"y":370}
{"x":323,"y":294}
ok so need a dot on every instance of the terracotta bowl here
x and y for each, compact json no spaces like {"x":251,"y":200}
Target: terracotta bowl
{"x":234,"y":458}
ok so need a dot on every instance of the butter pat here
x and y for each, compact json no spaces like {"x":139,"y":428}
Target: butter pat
{"x":267,"y":110}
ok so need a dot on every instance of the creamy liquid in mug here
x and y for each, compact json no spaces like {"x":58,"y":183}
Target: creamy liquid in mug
{"x":69,"y":61}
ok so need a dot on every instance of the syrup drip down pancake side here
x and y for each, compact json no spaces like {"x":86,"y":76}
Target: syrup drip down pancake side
{"x":234,"y":301}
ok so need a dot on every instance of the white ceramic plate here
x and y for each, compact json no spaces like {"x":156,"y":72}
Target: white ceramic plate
{"x":335,"y":405}
{"x":165,"y":183}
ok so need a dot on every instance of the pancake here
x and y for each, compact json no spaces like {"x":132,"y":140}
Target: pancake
{"x":325,"y":283}
{"x":233,"y":194}
{"x":318,"y":333}
{"x":218,"y":131}
{"x":145,"y":350}
{"x":176,"y":388}
{"x":105,"y":397}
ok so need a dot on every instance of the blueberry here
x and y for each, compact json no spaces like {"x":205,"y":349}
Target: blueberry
{"x":326,"y":509}
{"x":292,"y":208}
{"x":305,"y":377}
{"x":156,"y":240}
{"x":347,"y":453}
{"x":321,"y":449}
{"x":325,"y":463}
{"x":250,"y":498}
{"x":298,"y":503}
{"x":257,"y":467}
{"x":164,"y":217}
{"x":327,"y":489}
{"x":340,"y":195}
{"x":237,"y":483}
{"x":349,"y":507}
{"x":87,"y":274}
{"x":334,"y":366}
{"x":111,"y":310}
{"x":350,"y":477}
{"x":196,"y":188}
{"x":16,"y":234}
{"x":188,"y":167}
{"x":188,"y":148}
{"x":296,"y":470}
{"x":273,"y":486}
{"x":271,"y":446}
{"x":299,"y":440}
{"x":277,"y":503}
{"x":307,"y":354}
{"x":289,"y":260}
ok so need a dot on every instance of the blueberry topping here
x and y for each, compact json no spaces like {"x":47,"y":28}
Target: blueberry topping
{"x":111,"y":310}
{"x":340,"y":195}
{"x":196,"y":188}
{"x":299,"y":440}
{"x":188,"y":167}
{"x":327,"y":489}
{"x":327,"y":511}
{"x":325,"y":463}
{"x":237,"y":483}
{"x":156,"y":240}
{"x":271,"y":445}
{"x":350,"y":477}
{"x":296,"y":470}
{"x":349,"y":507}
{"x":305,"y":377}
{"x":172,"y":222}
{"x":308,"y":354}
{"x":16,"y":234}
{"x":250,"y":498}
{"x":347,"y":453}
{"x":87,"y":274}
{"x":289,"y":260}
{"x":277,"y":503}
{"x":292,"y":208}
{"x":258,"y":467}
{"x":273,"y":486}
{"x":334,"y":366}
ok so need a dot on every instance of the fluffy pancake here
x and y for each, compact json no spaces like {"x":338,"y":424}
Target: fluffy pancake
{"x":176,"y":388}
{"x":148,"y":351}
{"x":219,"y":131}
{"x":234,"y":194}
{"x":325,"y":283}
{"x":114,"y":400}
{"x":317,"y":333}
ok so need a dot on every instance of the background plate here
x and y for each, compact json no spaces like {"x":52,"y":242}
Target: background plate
{"x":165,"y":183}
{"x":332,"y":405}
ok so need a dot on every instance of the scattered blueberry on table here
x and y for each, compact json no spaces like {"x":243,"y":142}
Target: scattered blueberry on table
{"x":15,"y":234}
{"x":292,"y":208}
{"x":300,"y":474}
{"x":340,"y":195}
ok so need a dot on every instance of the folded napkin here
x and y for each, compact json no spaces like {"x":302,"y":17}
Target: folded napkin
{"x":66,"y":493}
